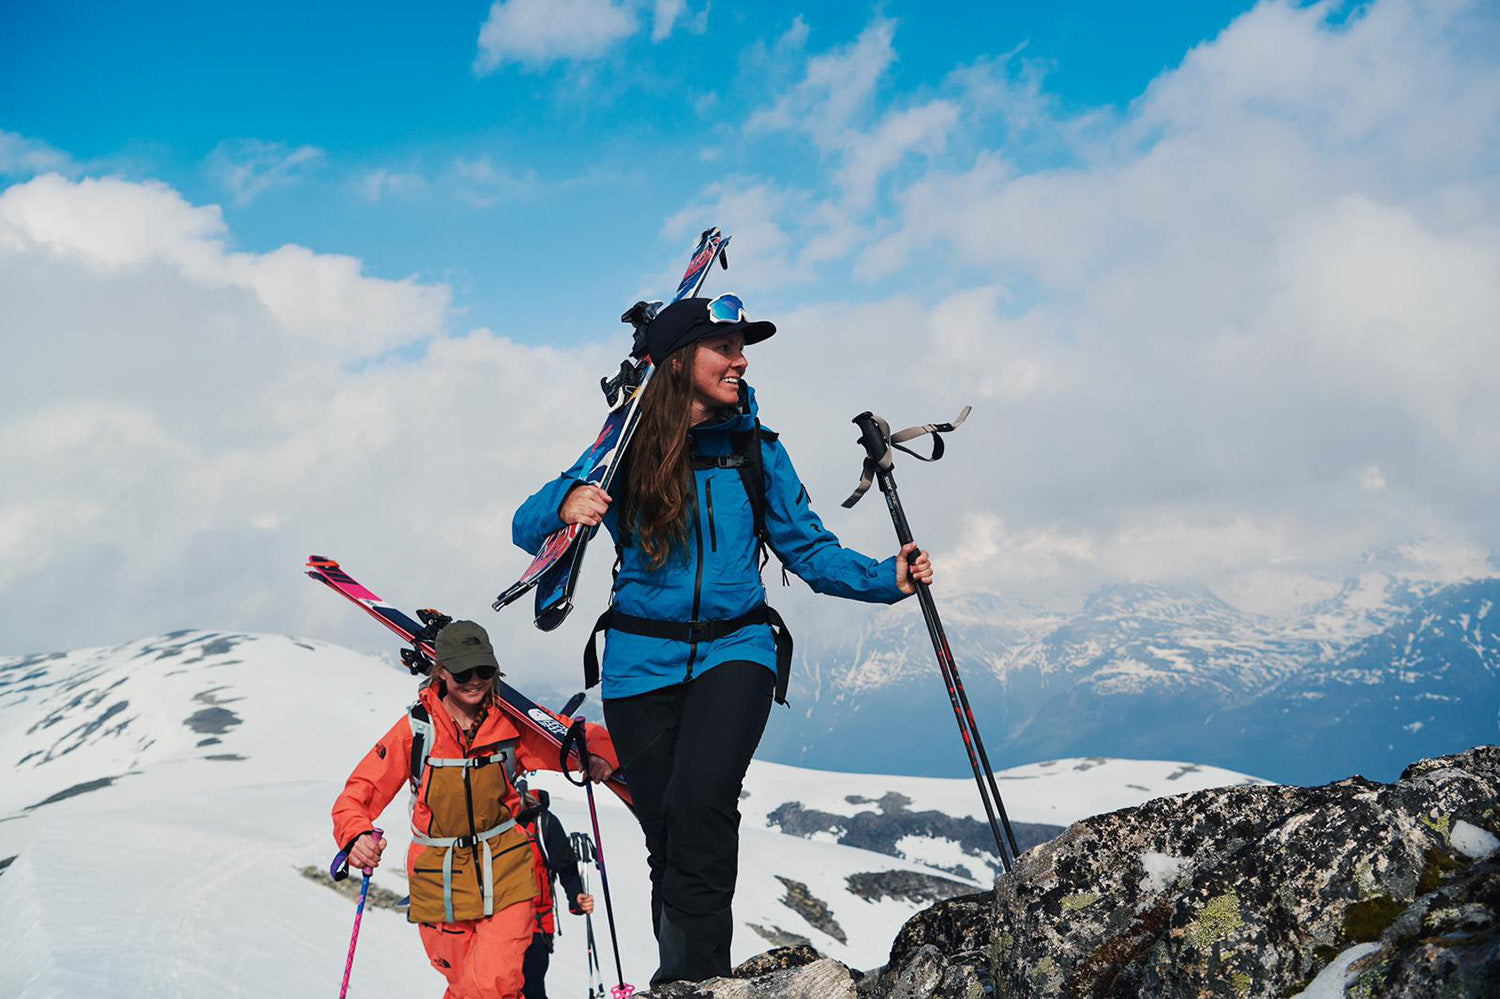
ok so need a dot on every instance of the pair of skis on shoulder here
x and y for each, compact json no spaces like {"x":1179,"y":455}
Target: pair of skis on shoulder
{"x":553,"y":573}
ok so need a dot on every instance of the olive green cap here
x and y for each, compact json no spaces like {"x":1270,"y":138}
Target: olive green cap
{"x":463,"y":645}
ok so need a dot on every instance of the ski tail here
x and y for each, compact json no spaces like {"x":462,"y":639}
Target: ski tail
{"x":711,"y":246}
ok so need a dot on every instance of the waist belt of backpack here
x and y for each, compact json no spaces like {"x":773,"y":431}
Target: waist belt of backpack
{"x":692,"y":632}
{"x":451,"y":843}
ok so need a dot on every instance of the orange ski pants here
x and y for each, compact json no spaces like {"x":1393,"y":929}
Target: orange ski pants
{"x":482,"y":958}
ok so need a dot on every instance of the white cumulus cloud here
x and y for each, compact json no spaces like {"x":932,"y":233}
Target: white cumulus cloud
{"x":538,"y":32}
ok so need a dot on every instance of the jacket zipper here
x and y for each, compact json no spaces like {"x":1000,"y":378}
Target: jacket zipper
{"x":697,"y":592}
{"x":713,"y":535}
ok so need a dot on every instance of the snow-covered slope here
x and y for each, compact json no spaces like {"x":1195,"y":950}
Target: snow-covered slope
{"x":162,"y":798}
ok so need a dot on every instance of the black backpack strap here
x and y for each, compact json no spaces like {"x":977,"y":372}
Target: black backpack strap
{"x":421,"y":728}
{"x":591,"y":647}
{"x":753,"y":474}
{"x":752,"y":468}
{"x":783,"y":652}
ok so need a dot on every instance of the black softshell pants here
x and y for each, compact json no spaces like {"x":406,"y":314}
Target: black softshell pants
{"x":534,"y":966}
{"x":685,"y":750}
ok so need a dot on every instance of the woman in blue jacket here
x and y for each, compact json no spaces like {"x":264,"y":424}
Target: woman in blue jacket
{"x":693,"y":656}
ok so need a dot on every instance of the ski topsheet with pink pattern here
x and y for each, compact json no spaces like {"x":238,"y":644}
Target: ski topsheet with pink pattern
{"x":522,"y":710}
{"x":554,"y":570}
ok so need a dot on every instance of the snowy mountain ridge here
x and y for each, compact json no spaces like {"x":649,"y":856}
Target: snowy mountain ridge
{"x":1145,"y":670}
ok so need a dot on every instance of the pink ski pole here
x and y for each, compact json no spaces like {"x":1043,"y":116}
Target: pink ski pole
{"x":340,"y":871}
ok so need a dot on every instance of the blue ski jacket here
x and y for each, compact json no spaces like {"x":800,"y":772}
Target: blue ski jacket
{"x":718,"y":572}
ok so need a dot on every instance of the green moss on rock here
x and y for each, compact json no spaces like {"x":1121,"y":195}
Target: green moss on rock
{"x":1440,"y":866}
{"x":1365,"y":921}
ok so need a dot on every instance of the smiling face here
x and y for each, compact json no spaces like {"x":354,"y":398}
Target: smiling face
{"x":471,"y":694}
{"x":718,"y":366}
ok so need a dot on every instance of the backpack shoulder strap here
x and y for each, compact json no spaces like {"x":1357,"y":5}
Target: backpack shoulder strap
{"x":421,"y":740}
{"x":749,"y":446}
{"x":752,"y":468}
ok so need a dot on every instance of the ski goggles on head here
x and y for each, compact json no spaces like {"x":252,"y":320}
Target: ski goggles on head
{"x":727,"y":308}
{"x":463,"y":676}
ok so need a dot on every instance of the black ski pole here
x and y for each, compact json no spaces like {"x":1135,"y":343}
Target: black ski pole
{"x":875,"y":435}
{"x":622,"y":990}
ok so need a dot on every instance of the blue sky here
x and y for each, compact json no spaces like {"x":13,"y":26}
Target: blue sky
{"x":574,"y":162}
{"x":1219,"y":281}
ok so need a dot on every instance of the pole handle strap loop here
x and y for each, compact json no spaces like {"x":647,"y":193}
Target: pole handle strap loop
{"x":895,"y":441}
{"x":574,"y":739}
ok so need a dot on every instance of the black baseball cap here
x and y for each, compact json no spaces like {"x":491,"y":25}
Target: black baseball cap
{"x":689,"y":319}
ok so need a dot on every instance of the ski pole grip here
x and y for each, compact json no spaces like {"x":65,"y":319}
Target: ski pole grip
{"x":339,"y":869}
{"x":870,"y":436}
{"x":379,"y":835}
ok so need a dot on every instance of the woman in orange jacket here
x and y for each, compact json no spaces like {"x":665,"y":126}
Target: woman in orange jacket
{"x":470,"y":865}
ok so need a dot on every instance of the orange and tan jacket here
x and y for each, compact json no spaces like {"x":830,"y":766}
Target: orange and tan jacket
{"x":468,"y":858}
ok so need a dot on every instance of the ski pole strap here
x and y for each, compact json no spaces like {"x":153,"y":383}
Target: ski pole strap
{"x":575,"y":739}
{"x":692,"y":632}
{"x":339,"y":869}
{"x":876,"y":436}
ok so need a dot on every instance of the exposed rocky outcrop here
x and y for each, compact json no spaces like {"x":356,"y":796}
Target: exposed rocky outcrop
{"x":778,"y":937}
{"x":884,"y":828}
{"x":811,"y":908}
{"x":1234,"y":892}
{"x":1445,"y":946}
{"x":783,"y":973}
{"x":913,"y":886}
{"x":378,"y":898}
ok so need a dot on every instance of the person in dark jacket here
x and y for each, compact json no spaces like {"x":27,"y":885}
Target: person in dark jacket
{"x":553,"y":860}
{"x":690,"y":661}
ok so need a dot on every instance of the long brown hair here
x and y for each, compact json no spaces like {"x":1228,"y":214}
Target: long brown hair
{"x":659,"y":473}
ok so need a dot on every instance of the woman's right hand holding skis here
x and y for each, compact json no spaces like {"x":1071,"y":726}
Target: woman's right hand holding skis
{"x":585,"y":504}
{"x":366,"y":851}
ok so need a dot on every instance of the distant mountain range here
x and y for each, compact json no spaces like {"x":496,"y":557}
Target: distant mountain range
{"x":1388,"y":669}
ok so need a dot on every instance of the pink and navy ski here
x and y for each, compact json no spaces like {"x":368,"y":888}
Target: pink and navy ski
{"x":554,"y":570}
{"x":522,"y":710}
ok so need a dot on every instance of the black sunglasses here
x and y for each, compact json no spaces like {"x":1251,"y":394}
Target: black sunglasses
{"x":464,"y":676}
